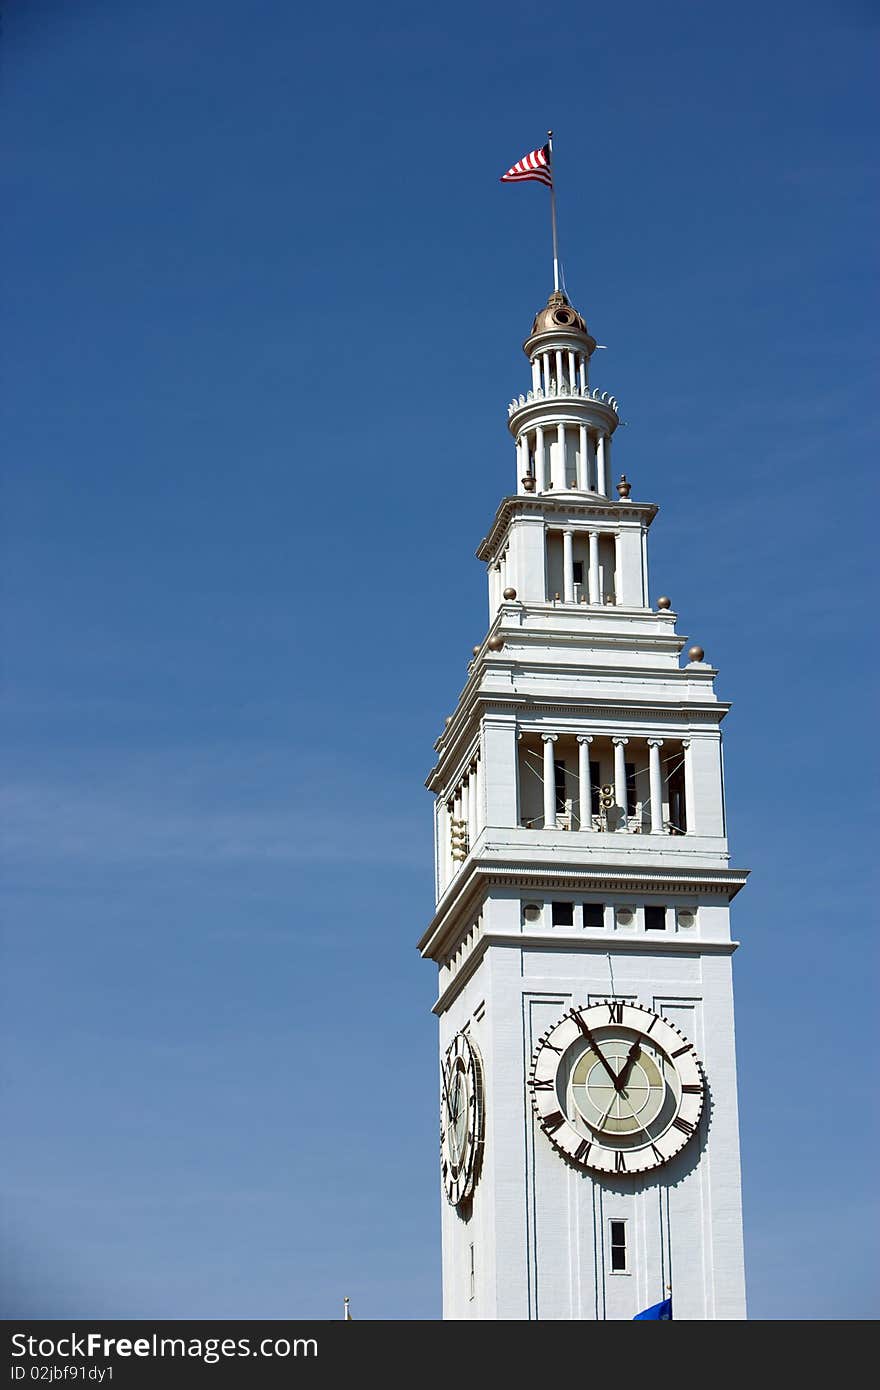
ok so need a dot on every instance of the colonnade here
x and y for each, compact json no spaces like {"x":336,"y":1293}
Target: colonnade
{"x":461,"y":819}
{"x":594,"y":580}
{"x":593,"y":457}
{"x":558,"y":368}
{"x":585,"y":818}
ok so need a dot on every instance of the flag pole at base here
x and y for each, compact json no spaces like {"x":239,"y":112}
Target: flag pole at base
{"x":553,"y":214}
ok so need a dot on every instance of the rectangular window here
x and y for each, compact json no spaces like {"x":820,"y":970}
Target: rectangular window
{"x":562,"y":914}
{"x":655,"y":918}
{"x":594,"y":915}
{"x":630,"y":788}
{"x":617,"y":1242}
{"x":578,"y":567}
{"x":559,"y":778}
{"x":594,"y":788}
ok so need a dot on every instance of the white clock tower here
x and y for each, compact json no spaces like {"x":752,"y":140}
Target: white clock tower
{"x":589,"y":1139}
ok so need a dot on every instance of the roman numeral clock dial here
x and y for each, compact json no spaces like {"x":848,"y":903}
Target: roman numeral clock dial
{"x":461,"y":1118}
{"x":616,"y":1088}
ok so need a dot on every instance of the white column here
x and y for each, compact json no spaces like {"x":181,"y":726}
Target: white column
{"x":549,"y":783}
{"x":473,"y":830}
{"x":618,"y":564}
{"x":558,"y":370}
{"x":478,"y":794}
{"x":620,"y":774}
{"x":522,"y":445}
{"x":536,"y":374}
{"x":559,"y":481}
{"x":591,"y":461}
{"x":583,"y":373}
{"x":601,"y":475}
{"x":585,"y":815}
{"x":595,"y":592}
{"x":583,"y":465}
{"x":545,"y":358}
{"x":608,"y":463}
{"x":540,"y":461}
{"x":572,"y":373}
{"x":655,"y":780}
{"x":568,"y":567}
{"x":690,"y":800}
{"x":442,"y":847}
{"x":496,"y":582}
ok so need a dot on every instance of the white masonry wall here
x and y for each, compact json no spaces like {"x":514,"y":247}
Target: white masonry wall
{"x":539,"y":1227}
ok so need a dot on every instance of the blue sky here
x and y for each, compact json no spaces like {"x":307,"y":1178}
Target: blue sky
{"x":265,"y":299}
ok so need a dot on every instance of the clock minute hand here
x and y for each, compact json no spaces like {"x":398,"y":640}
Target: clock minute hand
{"x":601,"y":1055}
{"x":445,"y":1087}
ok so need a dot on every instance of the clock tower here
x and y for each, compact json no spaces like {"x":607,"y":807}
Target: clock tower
{"x":589,"y":1142}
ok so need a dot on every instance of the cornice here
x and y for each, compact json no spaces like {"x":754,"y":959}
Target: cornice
{"x":580,"y":941}
{"x":570,"y":503}
{"x":471,"y":886}
{"x":482,"y":703}
{"x":591,"y":410}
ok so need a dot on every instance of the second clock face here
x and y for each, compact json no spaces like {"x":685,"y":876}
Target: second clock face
{"x":461,"y":1118}
{"x":616,"y":1087}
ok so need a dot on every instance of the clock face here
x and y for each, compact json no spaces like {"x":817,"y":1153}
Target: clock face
{"x":461,"y":1118}
{"x":616,"y":1087}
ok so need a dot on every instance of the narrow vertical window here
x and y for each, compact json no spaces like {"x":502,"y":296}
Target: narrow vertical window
{"x":472,"y":1275}
{"x":559,"y":784}
{"x":655,"y":918}
{"x":617,"y":1245}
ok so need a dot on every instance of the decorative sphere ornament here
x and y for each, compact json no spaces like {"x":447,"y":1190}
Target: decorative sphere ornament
{"x":476,"y":651}
{"x":696,"y":654}
{"x":495,"y":643}
{"x":510,"y":593}
{"x":624,"y":488}
{"x":528,"y":483}
{"x":664,"y":602}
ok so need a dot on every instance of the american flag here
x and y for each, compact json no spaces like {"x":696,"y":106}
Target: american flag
{"x":532,"y":166}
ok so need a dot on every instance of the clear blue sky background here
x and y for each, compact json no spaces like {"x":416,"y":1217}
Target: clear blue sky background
{"x":265,"y":300}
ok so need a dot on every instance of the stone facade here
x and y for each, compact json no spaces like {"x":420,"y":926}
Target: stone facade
{"x":581,"y":855}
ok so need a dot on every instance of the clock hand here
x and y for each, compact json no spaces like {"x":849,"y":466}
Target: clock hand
{"x":641,"y":1126}
{"x":607,"y":1112}
{"x":597,"y":1049}
{"x":625,"y":1069}
{"x":445,"y":1087}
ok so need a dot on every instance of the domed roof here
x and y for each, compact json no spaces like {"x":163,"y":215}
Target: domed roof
{"x":560,"y":316}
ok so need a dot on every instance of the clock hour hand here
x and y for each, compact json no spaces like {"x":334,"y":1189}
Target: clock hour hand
{"x":625,"y":1069}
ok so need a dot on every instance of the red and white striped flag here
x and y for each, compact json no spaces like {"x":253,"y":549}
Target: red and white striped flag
{"x":532,"y":166}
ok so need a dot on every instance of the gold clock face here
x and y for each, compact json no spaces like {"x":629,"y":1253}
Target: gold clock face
{"x":461,"y":1118}
{"x":616,"y":1088}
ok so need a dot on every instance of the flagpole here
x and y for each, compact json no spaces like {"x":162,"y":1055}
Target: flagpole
{"x":553,"y":214}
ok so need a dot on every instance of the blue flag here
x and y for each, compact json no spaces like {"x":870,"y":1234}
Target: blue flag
{"x":661,"y":1312}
